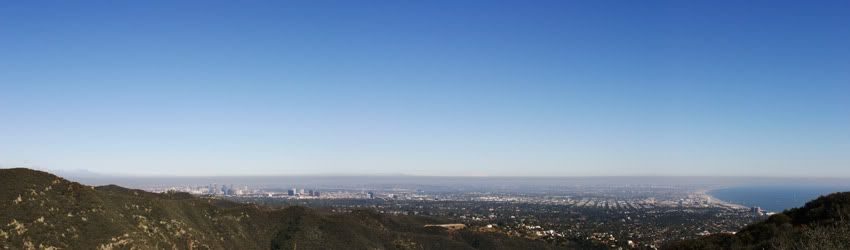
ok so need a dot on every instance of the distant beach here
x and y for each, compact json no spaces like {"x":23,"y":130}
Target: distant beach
{"x":719,"y":202}
{"x":773,"y":198}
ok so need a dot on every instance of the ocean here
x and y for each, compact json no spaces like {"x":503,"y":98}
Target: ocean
{"x":774,"y":198}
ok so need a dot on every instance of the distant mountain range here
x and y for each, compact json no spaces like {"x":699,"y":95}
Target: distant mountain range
{"x":39,"y":210}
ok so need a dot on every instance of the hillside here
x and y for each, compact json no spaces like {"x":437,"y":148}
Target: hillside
{"x":823,"y":223}
{"x":42,"y":211}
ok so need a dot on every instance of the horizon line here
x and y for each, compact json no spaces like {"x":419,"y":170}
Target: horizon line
{"x":83,"y":173}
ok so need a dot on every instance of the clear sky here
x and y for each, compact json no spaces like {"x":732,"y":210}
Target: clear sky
{"x":566,"y":88}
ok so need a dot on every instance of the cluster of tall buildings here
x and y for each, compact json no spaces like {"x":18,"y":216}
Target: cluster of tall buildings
{"x":757,"y":211}
{"x":215,"y":189}
{"x":302,"y":192}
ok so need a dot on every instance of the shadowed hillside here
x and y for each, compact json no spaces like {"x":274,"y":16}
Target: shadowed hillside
{"x":823,"y":223}
{"x":42,"y":211}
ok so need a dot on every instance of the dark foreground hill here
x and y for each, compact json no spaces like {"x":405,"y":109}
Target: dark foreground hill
{"x":823,"y":223}
{"x":42,"y":211}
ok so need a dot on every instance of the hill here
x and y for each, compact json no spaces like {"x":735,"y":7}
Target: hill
{"x":42,"y":211}
{"x":823,"y":223}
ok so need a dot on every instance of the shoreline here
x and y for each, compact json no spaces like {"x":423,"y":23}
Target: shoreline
{"x":775,"y":199}
{"x":716,"y":201}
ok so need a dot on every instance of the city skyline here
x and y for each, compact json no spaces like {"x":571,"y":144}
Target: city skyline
{"x":76,"y":174}
{"x":471,"y":88}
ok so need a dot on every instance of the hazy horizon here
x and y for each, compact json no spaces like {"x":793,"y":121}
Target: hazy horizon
{"x":472,"y":88}
{"x":83,"y":173}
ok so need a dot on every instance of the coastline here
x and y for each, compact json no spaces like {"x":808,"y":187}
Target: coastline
{"x":718,"y":202}
{"x":775,"y":199}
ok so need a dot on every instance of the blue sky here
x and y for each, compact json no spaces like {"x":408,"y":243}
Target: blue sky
{"x":567,"y":88}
